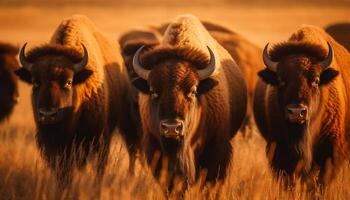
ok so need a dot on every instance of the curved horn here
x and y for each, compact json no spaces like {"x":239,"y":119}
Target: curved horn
{"x":23,"y":59}
{"x":81,"y":65}
{"x":209,"y":70}
{"x":271,"y":65}
{"x":140,"y":71}
{"x":328,"y":61}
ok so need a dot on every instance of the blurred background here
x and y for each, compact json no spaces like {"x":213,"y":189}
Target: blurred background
{"x":259,"y":20}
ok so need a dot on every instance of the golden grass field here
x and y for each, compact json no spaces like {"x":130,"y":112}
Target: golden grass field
{"x":23,"y":174}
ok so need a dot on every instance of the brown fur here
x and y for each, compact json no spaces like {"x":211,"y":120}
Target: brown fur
{"x":340,"y":32}
{"x":54,"y":50}
{"x":93,"y":108}
{"x":285,"y":49}
{"x":322,"y":142}
{"x":154,"y":56}
{"x":212,"y":119}
{"x":8,"y":80}
{"x":246,"y":54}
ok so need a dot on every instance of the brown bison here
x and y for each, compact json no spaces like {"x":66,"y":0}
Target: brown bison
{"x":246,"y":54}
{"x":301,"y":107}
{"x":80,"y":94}
{"x":341,"y":33}
{"x":8,"y":80}
{"x":192,"y":102}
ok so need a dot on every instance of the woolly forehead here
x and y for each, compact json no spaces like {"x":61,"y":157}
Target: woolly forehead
{"x":54,"y":51}
{"x":158,"y":55}
{"x":286,"y":49}
{"x":168,"y":75}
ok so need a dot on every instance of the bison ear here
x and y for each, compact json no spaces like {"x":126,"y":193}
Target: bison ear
{"x":24,"y":75}
{"x":268,"y":76}
{"x":141,"y":84}
{"x":328,"y":75}
{"x":206,"y":85}
{"x":82,"y":76}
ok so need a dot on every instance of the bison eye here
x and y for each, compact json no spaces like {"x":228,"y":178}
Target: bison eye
{"x":35,"y":83}
{"x":316,"y":82}
{"x":154,"y":95}
{"x":192,"y":94}
{"x":281,"y":83}
{"x":68,"y":84}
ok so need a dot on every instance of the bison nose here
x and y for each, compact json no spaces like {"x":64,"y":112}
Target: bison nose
{"x":48,"y":115}
{"x":296,"y":113}
{"x":47,"y":111}
{"x":171,"y":128}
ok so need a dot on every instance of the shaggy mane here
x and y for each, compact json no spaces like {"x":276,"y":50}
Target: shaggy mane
{"x":155,"y":55}
{"x":8,"y":48}
{"x":58,"y":50}
{"x":284,"y":49}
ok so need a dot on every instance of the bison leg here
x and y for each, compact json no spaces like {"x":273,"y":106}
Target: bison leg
{"x":102,"y":152}
{"x":62,"y":167}
{"x":327,"y":157}
{"x":152,"y":155}
{"x":132,"y":142}
{"x":216,"y":158}
{"x":134,"y":155}
{"x":132,"y":136}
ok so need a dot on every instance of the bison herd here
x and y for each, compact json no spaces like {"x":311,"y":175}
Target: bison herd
{"x":179,"y":92}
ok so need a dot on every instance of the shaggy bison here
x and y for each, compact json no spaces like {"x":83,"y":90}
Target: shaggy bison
{"x":246,"y":54}
{"x":8,"y":80}
{"x":301,"y":107}
{"x":192,"y":102}
{"x":341,"y":33}
{"x":80,"y":94}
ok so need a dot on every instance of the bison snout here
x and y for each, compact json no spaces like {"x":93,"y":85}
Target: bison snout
{"x":48,"y":115}
{"x":296,"y":113}
{"x":171,"y":128}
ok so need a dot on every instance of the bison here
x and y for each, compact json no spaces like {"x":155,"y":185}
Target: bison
{"x":300,"y":105}
{"x":192,"y":101}
{"x":80,"y":94}
{"x":246,"y":54}
{"x":8,"y":79}
{"x":340,"y":32}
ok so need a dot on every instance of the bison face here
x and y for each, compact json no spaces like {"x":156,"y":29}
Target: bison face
{"x":8,"y":84}
{"x":299,"y":79}
{"x":54,"y":79}
{"x":174,"y":88}
{"x":174,"y":98}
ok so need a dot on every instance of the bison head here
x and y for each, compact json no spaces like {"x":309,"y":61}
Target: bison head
{"x":8,"y":80}
{"x":54,"y":73}
{"x":299,"y":77}
{"x":174,"y":80}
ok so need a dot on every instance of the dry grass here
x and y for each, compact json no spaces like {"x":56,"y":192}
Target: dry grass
{"x":23,"y":174}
